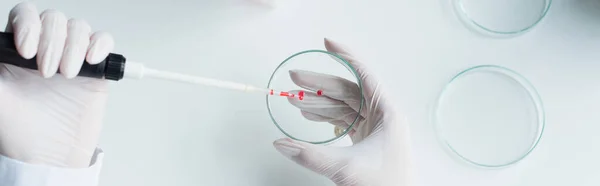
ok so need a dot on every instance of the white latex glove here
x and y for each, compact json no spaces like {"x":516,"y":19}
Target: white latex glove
{"x":47,"y":118}
{"x":381,"y":152}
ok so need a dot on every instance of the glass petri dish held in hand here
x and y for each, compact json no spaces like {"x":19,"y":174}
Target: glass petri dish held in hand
{"x":489,"y":116}
{"x":501,"y":17}
{"x":323,"y":97}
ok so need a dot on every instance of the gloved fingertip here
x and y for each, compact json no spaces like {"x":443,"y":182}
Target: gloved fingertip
{"x":69,"y":75}
{"x":294,"y":74}
{"x":327,"y":40}
{"x":70,"y":64}
{"x":288,"y":148}
{"x":101,"y":45}
{"x":302,"y":77}
{"x":25,"y":4}
{"x":329,"y":44}
{"x":96,"y":54}
{"x":27,"y":41}
{"x":25,"y":45}
{"x":47,"y":74}
{"x":335,"y":47}
{"x":22,"y":7}
{"x":297,"y":72}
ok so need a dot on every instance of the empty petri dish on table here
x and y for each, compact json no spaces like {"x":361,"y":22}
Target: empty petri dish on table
{"x":501,"y":17}
{"x":489,"y":116}
{"x":324,"y":97}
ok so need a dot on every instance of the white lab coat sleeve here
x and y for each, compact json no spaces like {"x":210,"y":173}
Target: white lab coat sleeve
{"x":17,"y":173}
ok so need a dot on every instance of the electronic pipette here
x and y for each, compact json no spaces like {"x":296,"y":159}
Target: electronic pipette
{"x":115,"y":67}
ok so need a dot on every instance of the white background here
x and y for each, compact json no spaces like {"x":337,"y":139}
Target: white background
{"x":160,"y":133}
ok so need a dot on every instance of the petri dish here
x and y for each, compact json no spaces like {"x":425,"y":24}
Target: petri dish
{"x":489,"y":116}
{"x":501,"y":17}
{"x":325,"y":97}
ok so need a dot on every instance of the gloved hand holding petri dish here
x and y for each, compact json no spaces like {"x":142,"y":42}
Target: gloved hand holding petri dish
{"x":319,"y":107}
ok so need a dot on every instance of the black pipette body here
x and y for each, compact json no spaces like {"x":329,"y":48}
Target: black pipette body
{"x":111,"y":68}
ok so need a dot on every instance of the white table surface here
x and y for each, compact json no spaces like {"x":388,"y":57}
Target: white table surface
{"x":158,"y":133}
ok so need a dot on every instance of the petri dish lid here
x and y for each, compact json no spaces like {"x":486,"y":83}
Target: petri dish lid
{"x":501,"y":17}
{"x":325,"y":97}
{"x":489,"y":116}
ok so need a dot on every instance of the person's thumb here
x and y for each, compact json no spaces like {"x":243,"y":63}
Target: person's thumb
{"x":327,"y":161}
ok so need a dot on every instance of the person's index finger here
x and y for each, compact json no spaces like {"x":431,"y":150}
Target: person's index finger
{"x":26,"y":25}
{"x":328,"y":85}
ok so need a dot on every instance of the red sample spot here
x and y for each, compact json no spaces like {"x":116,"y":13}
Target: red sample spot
{"x":319,"y":92}
{"x":271,"y":92}
{"x":301,"y":95}
{"x":284,"y":94}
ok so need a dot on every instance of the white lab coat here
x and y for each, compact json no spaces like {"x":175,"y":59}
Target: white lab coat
{"x":17,"y":173}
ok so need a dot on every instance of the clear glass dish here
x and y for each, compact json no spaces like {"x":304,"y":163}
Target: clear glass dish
{"x":489,"y":116}
{"x":501,"y":17}
{"x":310,"y":124}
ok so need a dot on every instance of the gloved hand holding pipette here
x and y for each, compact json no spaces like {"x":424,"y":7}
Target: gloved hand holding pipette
{"x":44,"y":118}
{"x":380,"y":154}
{"x":49,"y":123}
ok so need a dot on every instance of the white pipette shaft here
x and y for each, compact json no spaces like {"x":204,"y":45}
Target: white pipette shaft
{"x":203,"y":81}
{"x":139,"y":71}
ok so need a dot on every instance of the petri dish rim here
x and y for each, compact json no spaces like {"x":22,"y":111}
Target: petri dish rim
{"x":466,"y":19}
{"x":344,"y":63}
{"x":524,"y":83}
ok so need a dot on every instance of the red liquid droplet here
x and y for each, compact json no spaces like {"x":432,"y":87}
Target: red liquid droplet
{"x":284,"y":94}
{"x":319,"y":92}
{"x":271,"y":92}
{"x":301,"y":95}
